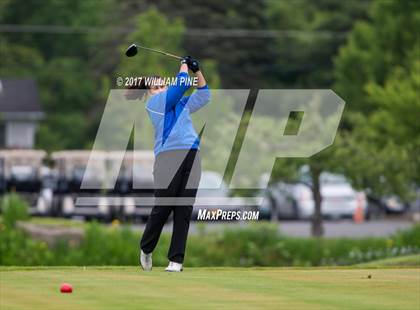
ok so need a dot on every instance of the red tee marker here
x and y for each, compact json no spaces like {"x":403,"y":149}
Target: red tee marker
{"x":66,"y":288}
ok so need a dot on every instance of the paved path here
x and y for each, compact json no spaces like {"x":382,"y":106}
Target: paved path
{"x":347,"y":228}
{"x":344,"y":228}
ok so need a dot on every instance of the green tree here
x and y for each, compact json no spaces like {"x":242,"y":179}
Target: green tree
{"x":312,"y":34}
{"x":19,"y":60}
{"x":378,"y":75}
{"x":60,"y":60}
{"x":382,"y":150}
{"x":374,"y":49}
{"x":153,"y":29}
{"x":243,"y":60}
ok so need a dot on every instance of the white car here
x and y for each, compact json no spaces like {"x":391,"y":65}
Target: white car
{"x":339,"y":198}
{"x":213,"y":194}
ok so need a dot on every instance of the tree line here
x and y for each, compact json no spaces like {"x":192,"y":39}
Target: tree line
{"x":366,"y":51}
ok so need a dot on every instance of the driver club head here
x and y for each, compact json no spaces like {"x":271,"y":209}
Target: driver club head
{"x":131,"y":50}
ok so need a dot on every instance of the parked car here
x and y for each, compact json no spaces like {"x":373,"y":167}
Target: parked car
{"x":378,"y":207}
{"x":279,"y":203}
{"x":339,"y":199}
{"x":415,"y":206}
{"x":214,"y":194}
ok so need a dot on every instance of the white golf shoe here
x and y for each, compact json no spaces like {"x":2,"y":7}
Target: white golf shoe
{"x":174,"y":267}
{"x":146,"y":261}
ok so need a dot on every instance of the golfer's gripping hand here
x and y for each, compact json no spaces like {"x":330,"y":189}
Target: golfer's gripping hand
{"x":192,"y":64}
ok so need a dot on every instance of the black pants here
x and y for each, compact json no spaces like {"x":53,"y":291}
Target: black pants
{"x":176,"y":178}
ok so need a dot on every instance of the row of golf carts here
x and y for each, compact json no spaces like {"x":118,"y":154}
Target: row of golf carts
{"x":56,"y":189}
{"x":60,"y":185}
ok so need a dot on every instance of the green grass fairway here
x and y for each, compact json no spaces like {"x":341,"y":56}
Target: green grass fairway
{"x":209,"y":288}
{"x":400,"y":261}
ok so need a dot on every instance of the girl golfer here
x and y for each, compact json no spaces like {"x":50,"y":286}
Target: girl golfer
{"x":177,"y":168}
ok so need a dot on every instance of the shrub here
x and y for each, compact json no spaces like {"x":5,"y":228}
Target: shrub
{"x":13,"y":209}
{"x":17,"y":249}
{"x":256,"y":245}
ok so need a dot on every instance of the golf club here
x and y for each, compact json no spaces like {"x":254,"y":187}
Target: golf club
{"x":132,"y":50}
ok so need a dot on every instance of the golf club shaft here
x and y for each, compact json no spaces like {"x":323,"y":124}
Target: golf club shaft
{"x":160,"y":52}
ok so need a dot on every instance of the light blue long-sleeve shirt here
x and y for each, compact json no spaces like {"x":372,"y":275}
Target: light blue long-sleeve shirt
{"x":170,"y":111}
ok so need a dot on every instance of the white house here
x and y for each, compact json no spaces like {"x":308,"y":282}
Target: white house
{"x":20,"y":112}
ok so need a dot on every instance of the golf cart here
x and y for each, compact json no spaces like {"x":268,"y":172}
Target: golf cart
{"x":70,"y":169}
{"x":21,"y":172}
{"x":134,"y":185}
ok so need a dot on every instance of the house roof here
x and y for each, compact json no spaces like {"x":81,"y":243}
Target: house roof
{"x":19,"y":95}
{"x":19,"y":100}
